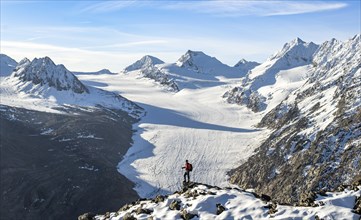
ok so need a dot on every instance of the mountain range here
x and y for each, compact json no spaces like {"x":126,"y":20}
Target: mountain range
{"x":284,"y":128}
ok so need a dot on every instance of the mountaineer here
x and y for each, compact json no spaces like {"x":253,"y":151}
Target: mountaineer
{"x":188,"y":168}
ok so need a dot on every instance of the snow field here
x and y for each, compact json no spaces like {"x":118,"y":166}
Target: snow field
{"x":194,"y":124}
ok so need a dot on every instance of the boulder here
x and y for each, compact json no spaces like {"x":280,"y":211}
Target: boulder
{"x":357,"y":207}
{"x":186,"y":215}
{"x":140,"y":210}
{"x":265,"y":198}
{"x":307,"y":199}
{"x":129,"y":216}
{"x":175,"y":205}
{"x":220,"y":208}
{"x":272,"y":208}
{"x":159,"y":198}
{"x":87,"y":216}
{"x":125,"y":208}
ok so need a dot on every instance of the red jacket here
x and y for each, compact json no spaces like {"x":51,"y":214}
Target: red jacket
{"x":188,"y":167}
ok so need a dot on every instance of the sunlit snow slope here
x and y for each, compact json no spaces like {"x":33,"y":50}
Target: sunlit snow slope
{"x":193,"y":124}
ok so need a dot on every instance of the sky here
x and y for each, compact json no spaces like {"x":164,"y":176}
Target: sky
{"x":92,"y":35}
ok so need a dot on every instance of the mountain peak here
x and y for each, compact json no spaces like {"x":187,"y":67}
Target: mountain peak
{"x":245,"y":65}
{"x":195,"y":59}
{"x":43,"y":71}
{"x":145,"y":62}
{"x":296,"y":49}
{"x":244,"y":62}
{"x":7,"y":65}
{"x":195,"y":53}
{"x":297,"y":40}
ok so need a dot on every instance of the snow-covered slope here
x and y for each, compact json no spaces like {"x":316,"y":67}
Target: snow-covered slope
{"x":7,"y":65}
{"x":316,"y":141}
{"x":42,"y":85}
{"x":193,"y":124}
{"x":267,"y":81}
{"x":102,"y":71}
{"x":207,"y":202}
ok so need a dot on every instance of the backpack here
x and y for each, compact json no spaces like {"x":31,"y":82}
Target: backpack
{"x":190,"y":167}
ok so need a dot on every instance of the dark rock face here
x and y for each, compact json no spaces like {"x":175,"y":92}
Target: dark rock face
{"x":58,"y":166}
{"x":288,"y":164}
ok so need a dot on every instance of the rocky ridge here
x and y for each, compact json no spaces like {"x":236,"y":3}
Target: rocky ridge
{"x":316,"y":139}
{"x":201,"y":201}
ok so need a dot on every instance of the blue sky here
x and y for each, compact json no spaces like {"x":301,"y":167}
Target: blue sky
{"x":91,"y":35}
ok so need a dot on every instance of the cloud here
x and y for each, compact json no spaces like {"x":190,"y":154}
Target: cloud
{"x":107,"y":6}
{"x":75,"y":59}
{"x":231,"y":8}
{"x":115,"y":59}
{"x":224,"y":8}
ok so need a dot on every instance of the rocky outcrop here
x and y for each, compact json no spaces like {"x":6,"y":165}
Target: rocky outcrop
{"x":213,"y":202}
{"x":157,"y":75}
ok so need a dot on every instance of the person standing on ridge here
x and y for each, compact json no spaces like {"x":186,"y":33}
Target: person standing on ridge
{"x":188,"y":167}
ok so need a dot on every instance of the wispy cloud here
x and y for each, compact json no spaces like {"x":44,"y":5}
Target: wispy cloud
{"x":231,"y":8}
{"x":108,"y":6}
{"x":224,"y":8}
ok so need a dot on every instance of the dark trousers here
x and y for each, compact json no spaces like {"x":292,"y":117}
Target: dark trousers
{"x":186,"y":174}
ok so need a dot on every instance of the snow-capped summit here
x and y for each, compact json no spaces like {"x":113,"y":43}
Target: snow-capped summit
{"x":195,"y":60}
{"x":7,"y":65}
{"x":245,"y":65}
{"x":296,"y":52}
{"x":274,"y":79}
{"x":43,"y":71}
{"x":293,"y":54}
{"x":200,"y":62}
{"x":145,"y":62}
